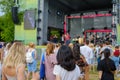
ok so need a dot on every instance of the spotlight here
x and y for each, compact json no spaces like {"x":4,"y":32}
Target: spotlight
{"x":58,"y":12}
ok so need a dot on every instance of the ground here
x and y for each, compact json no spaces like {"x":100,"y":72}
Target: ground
{"x":94,"y":75}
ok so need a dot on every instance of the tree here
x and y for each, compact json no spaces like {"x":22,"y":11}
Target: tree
{"x":6,"y":5}
{"x":7,"y":29}
{"x":6,"y":23}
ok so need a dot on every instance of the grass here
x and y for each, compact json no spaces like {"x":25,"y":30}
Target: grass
{"x":94,"y":75}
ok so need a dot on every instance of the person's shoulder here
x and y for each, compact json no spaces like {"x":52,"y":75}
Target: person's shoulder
{"x":112,"y":60}
{"x":87,"y":47}
{"x":21,"y":67}
{"x":77,"y":69}
{"x":3,"y":68}
{"x":58,"y":67}
{"x":53,"y":55}
{"x":1,"y":49}
{"x":33,"y":49}
{"x":76,"y":66}
{"x":82,"y":46}
{"x":102,"y":61}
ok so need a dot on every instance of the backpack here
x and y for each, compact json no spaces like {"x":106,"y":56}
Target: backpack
{"x":29,"y":57}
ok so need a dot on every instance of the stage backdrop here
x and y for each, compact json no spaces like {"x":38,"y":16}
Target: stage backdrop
{"x":25,"y":36}
{"x":78,"y":25}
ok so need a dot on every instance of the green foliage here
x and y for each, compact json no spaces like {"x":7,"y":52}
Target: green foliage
{"x":6,"y":5}
{"x":6,"y":23}
{"x":7,"y":28}
{"x":20,"y":16}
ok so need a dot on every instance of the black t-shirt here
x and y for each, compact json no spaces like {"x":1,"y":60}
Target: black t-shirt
{"x":106,"y":66}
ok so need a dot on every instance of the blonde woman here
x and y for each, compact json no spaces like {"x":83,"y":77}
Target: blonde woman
{"x":32,"y":67}
{"x":8,"y":45}
{"x":92,"y":57}
{"x":1,"y":53}
{"x":50,"y":61}
{"x":14,"y":63}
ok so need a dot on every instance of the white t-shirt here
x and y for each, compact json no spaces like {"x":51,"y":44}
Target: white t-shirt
{"x":67,"y":75}
{"x":86,"y":51}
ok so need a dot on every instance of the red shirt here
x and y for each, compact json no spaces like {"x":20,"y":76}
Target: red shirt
{"x":116,"y":53}
{"x":67,"y":37}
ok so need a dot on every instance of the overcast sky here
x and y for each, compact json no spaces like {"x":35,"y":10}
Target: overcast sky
{"x":1,"y":13}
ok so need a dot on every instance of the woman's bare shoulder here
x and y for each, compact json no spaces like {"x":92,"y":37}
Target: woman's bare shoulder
{"x":9,"y":71}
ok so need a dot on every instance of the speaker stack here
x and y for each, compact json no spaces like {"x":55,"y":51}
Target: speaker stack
{"x":15,"y":15}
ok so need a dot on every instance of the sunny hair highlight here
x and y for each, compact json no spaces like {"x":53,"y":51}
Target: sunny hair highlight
{"x":16,"y":55}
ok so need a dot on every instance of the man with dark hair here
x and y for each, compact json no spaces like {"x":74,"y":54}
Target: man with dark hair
{"x":87,"y":42}
{"x":86,"y":51}
{"x":106,"y":44}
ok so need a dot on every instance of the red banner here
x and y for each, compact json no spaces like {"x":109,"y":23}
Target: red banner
{"x":90,"y":16}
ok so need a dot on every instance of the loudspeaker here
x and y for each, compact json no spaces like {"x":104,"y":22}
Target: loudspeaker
{"x":92,"y":28}
{"x":105,"y":27}
{"x":15,"y":15}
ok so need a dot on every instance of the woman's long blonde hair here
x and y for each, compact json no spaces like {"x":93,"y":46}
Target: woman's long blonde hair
{"x":16,"y":55}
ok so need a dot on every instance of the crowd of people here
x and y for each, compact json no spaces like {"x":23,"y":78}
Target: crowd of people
{"x":68,"y":60}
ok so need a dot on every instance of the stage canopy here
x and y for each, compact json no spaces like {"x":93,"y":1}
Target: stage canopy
{"x":75,"y":6}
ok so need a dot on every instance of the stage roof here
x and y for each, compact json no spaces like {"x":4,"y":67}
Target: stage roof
{"x":86,"y":5}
